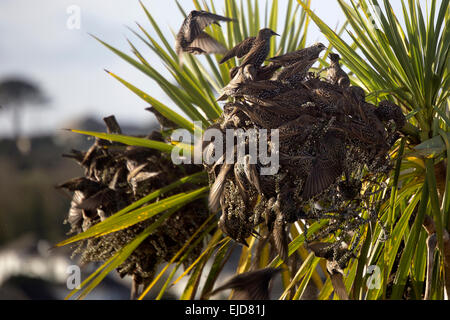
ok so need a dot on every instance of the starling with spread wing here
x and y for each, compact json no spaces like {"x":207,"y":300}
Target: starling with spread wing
{"x":327,"y":166}
{"x":252,"y":285}
{"x":192,"y":39}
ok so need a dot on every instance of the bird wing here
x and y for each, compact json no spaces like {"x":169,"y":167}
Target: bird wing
{"x":100,"y":198}
{"x":252,"y":285}
{"x":324,"y":173}
{"x":207,"y":44}
{"x":253,"y":176}
{"x":337,"y":280}
{"x":326,"y":168}
{"x":204,"y":19}
{"x":75,"y":217}
{"x":266,"y":72}
{"x":290,"y":57}
{"x":240,"y":50}
{"x":196,"y":25}
{"x":298,"y":68}
{"x":260,"y":85}
{"x":254,"y":51}
{"x":280,"y":237}
{"x":217,"y":188}
{"x":322,"y":249}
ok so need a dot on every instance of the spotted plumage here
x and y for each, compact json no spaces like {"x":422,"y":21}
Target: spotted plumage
{"x":260,"y":48}
{"x":240,"y":50}
{"x":307,"y":54}
{"x":296,"y":72}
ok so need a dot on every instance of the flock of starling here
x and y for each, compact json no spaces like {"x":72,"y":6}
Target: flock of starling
{"x":115,"y":177}
{"x":329,"y":137}
{"x":330,"y":140}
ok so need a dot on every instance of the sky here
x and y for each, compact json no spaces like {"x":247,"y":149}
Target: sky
{"x":68,"y":64}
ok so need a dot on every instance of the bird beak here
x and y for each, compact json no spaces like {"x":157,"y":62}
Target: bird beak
{"x":276,"y":34}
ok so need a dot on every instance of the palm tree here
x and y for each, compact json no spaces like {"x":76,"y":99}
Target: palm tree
{"x":407,"y":64}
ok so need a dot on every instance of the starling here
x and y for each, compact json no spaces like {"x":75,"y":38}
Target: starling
{"x":337,"y":257}
{"x":252,"y":174}
{"x":234,"y":227}
{"x":327,"y":166}
{"x":279,"y":233}
{"x":324,"y":92}
{"x":388,"y":110}
{"x":290,"y":58}
{"x":260,"y":48}
{"x":287,"y":102}
{"x":163,"y":121}
{"x":296,"y":72}
{"x":357,"y":98}
{"x":240,"y":50}
{"x":372,"y":120}
{"x":289,"y":130}
{"x":192,"y":39}
{"x":240,"y":178}
{"x":260,"y":91}
{"x":81,"y":184}
{"x":262,"y":116}
{"x":358,"y":93}
{"x":335,"y":74}
{"x":105,"y":200}
{"x":252,"y":285}
{"x":263,"y":73}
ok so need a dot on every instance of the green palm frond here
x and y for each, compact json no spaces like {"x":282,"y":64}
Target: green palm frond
{"x":407,"y":63}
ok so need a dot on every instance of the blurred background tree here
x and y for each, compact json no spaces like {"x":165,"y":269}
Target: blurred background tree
{"x":18,"y":93}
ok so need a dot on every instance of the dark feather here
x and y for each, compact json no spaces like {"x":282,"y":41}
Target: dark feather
{"x":299,"y":55}
{"x":206,"y":44}
{"x":217,"y":188}
{"x":279,"y":234}
{"x":85,"y":185}
{"x":192,"y":28}
{"x":252,"y":174}
{"x":337,"y":280}
{"x":99,"y":200}
{"x":260,"y":48}
{"x":253,"y":285}
{"x":240,"y":50}
{"x":327,"y":167}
